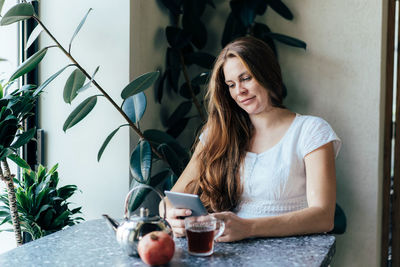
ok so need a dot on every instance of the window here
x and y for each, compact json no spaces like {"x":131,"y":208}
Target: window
{"x":9,"y":50}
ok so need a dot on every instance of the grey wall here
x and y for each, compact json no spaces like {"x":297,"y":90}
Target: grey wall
{"x":339,"y":77}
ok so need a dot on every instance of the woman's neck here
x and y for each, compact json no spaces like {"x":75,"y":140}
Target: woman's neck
{"x":270,"y":118}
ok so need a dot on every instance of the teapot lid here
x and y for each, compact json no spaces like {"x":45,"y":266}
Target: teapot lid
{"x":145,"y":217}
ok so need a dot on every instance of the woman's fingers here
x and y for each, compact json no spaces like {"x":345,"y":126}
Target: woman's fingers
{"x":176,"y":213}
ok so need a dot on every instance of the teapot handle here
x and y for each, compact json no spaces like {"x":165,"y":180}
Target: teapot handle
{"x":127,"y":214}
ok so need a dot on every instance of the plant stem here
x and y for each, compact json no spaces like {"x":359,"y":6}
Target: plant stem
{"x":131,"y":124}
{"x":194,"y":98}
{"x":8,"y":180}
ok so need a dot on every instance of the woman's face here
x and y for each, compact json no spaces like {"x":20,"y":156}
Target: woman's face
{"x":244,"y":88}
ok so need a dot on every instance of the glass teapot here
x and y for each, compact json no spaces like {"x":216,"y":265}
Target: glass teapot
{"x":133,"y":228}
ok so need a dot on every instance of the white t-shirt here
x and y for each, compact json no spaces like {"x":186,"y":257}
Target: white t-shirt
{"x":274,"y":181}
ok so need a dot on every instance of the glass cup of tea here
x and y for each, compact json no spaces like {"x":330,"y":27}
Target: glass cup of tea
{"x":201,"y":231}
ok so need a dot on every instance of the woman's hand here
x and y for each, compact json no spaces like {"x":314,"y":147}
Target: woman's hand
{"x":175,"y":218}
{"x":236,"y":228}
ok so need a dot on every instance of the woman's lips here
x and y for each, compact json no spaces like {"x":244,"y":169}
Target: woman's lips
{"x":247,"y":100}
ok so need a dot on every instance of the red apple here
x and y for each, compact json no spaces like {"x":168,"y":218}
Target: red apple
{"x":156,"y":248}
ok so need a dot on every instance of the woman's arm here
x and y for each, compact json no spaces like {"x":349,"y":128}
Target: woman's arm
{"x":317,"y":218}
{"x":174,"y":216}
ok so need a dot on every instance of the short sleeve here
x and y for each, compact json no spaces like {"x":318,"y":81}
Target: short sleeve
{"x":203,"y":137}
{"x":317,"y":133}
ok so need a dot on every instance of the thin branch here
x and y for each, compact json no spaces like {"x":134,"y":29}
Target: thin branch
{"x":131,"y":124}
{"x":12,"y":201}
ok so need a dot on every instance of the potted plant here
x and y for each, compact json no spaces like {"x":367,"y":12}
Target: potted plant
{"x":43,"y":206}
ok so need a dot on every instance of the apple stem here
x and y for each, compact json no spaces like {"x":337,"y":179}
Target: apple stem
{"x":154,"y":237}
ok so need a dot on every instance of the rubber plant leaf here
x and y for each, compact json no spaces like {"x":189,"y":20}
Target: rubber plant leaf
{"x":176,"y":37}
{"x":34,"y":35}
{"x":281,"y":9}
{"x":287,"y":40}
{"x":89,"y":83}
{"x":80,"y":112}
{"x":24,"y":138}
{"x":49,"y":80}
{"x":74,"y":82}
{"x":181,"y":111}
{"x":79,"y":28}
{"x":20,"y":162}
{"x":105,"y":143}
{"x":17,"y":13}
{"x":172,"y":158}
{"x":135,"y":106}
{"x":140,"y":84}
{"x":201,"y":59}
{"x":140,"y":162}
{"x":233,"y":28}
{"x":137,"y":196}
{"x":185,"y":90}
{"x":1,"y":5}
{"x":173,"y":7}
{"x":196,"y":27}
{"x":159,"y":178}
{"x":177,"y":128}
{"x":201,"y":79}
{"x":29,"y":64}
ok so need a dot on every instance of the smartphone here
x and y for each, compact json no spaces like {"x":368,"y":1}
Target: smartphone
{"x":187,"y":201}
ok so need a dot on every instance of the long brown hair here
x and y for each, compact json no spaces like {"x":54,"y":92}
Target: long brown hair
{"x":228,"y":131}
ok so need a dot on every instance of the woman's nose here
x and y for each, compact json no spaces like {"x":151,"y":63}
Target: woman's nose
{"x":240,"y":89}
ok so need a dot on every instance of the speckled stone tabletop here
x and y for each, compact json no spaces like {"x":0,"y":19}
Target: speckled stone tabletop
{"x":93,"y":243}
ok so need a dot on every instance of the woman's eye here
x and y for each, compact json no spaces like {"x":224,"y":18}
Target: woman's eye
{"x":247,"y":78}
{"x":231,"y":85}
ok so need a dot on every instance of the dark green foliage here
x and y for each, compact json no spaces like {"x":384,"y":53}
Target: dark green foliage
{"x":43,"y":206}
{"x":14,"y":109}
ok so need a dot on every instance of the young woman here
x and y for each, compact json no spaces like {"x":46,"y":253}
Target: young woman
{"x":261,"y":168}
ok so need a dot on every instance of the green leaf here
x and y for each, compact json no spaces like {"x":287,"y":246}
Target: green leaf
{"x":201,"y":59}
{"x":157,"y":137}
{"x":60,"y":219}
{"x":201,"y":79}
{"x":159,"y":178}
{"x":1,"y":5}
{"x":4,"y":213}
{"x":49,"y":80}
{"x":80,"y":112}
{"x":74,"y":82}
{"x":176,"y":37}
{"x":185,"y":90}
{"x":140,"y":84}
{"x":195,"y":26}
{"x":42,"y":209}
{"x":173,"y":7}
{"x":20,"y":162}
{"x":79,"y":28}
{"x":281,"y":9}
{"x":89,"y":83}
{"x":233,"y":29}
{"x":17,"y":13}
{"x":135,"y":106}
{"x":172,"y":158}
{"x":108,"y":139}
{"x":29,"y":64}
{"x":137,"y":196}
{"x":181,"y":111}
{"x":287,"y":40}
{"x":6,"y":220}
{"x":66,"y":191}
{"x":24,"y":138}
{"x":177,"y":128}
{"x":140,"y":162}
{"x":34,"y":35}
